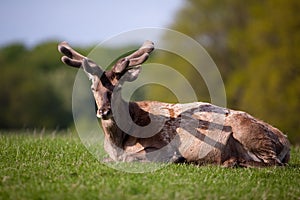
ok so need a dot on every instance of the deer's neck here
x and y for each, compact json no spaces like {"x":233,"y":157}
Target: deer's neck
{"x":117,"y":127}
{"x":126,"y":117}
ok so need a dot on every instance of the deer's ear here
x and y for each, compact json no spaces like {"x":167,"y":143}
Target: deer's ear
{"x":91,"y":68}
{"x":132,"y":74}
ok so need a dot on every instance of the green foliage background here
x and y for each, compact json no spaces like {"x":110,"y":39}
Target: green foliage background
{"x":35,"y":88}
{"x":255,"y":44}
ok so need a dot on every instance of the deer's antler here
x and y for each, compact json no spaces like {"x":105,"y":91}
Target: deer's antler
{"x":134,"y":59}
{"x":75,"y":59}
{"x":71,"y":57}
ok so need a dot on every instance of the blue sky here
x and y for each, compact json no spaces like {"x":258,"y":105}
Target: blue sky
{"x":80,"y":22}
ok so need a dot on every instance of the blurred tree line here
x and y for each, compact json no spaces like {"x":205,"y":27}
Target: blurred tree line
{"x":35,"y":88}
{"x":255,"y":45}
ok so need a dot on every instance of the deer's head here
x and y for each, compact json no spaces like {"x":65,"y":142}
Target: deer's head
{"x":104,"y":82}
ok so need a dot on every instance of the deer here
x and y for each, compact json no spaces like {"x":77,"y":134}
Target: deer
{"x":194,"y":133}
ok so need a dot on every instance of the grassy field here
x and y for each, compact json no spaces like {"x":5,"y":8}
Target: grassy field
{"x":48,"y":166}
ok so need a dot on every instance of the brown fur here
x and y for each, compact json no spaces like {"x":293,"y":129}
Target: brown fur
{"x":199,"y":133}
{"x":242,"y":137}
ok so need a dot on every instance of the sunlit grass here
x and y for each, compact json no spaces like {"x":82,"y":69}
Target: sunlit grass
{"x":57,"y":166}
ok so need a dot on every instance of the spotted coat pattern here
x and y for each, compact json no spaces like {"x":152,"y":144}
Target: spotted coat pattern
{"x":199,"y":133}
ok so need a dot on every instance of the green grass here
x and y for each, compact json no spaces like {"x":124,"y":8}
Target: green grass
{"x":59,"y":167}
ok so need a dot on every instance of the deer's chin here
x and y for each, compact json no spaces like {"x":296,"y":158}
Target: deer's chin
{"x":104,"y":117}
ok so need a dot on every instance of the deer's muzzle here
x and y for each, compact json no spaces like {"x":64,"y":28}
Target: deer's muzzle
{"x":104,"y":114}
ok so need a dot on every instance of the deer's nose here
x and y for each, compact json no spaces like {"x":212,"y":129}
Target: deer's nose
{"x":104,"y":114}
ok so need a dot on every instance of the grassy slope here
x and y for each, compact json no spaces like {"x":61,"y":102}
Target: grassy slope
{"x":48,"y":167}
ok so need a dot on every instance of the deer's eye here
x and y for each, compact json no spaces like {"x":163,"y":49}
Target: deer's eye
{"x":94,"y":85}
{"x":93,"y":88}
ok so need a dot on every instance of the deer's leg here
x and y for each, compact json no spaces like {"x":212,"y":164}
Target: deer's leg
{"x":231,"y":162}
{"x":108,"y":160}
